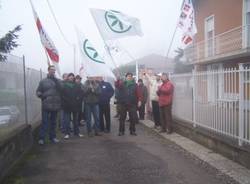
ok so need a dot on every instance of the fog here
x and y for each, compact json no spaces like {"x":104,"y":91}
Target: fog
{"x":158,"y":20}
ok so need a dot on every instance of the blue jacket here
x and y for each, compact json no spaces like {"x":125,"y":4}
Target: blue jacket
{"x":107,"y":92}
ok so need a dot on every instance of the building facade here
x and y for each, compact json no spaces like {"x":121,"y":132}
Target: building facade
{"x":223,"y":37}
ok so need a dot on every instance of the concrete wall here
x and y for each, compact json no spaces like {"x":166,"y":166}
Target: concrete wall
{"x":221,"y":144}
{"x":13,"y":147}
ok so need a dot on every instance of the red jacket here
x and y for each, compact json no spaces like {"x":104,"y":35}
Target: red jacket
{"x":165,"y":93}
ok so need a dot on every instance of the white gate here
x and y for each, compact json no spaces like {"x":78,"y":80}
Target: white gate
{"x":217,"y":100}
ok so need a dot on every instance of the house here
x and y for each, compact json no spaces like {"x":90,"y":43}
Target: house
{"x":223,"y":37}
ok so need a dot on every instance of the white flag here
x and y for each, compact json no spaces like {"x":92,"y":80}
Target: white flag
{"x":114,"y":24}
{"x":187,"y":22}
{"x":46,"y":41}
{"x":93,"y":64}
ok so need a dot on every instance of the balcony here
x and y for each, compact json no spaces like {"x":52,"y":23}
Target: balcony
{"x":227,"y":45}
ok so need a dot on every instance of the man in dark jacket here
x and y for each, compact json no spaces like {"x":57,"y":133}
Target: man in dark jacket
{"x":72,"y":95}
{"x":48,"y":92}
{"x":107,"y":92}
{"x":92,"y":93}
{"x":144,"y":93}
{"x":129,"y":99}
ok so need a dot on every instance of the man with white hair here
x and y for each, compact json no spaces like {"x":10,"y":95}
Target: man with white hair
{"x":165,"y":93}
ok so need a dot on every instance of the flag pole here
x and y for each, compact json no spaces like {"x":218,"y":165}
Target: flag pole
{"x":48,"y":61}
{"x":136,"y":63}
{"x":108,"y":51}
{"x":112,"y":59}
{"x":171,"y":43}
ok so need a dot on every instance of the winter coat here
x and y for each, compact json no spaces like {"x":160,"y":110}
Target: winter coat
{"x":153,"y":89}
{"x":92,"y":92}
{"x":72,"y":96}
{"x":107,"y":92}
{"x":143,"y":92}
{"x":165,"y":93}
{"x":128,"y":94}
{"x":48,"y":91}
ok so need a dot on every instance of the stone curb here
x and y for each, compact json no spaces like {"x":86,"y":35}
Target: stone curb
{"x":224,"y":165}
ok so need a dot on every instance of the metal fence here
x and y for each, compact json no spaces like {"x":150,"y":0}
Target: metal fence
{"x":217,"y":100}
{"x":18,"y":102}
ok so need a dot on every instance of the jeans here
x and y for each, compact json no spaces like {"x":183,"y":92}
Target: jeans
{"x":104,"y":113}
{"x":74,"y":120}
{"x":62,"y":121}
{"x":48,"y":122}
{"x":92,"y":109}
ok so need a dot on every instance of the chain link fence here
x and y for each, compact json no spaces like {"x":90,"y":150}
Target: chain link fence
{"x":18,"y":102}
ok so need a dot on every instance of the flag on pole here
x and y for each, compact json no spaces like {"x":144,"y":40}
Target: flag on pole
{"x":187,"y":22}
{"x":94,"y":65}
{"x":114,"y":24}
{"x":47,"y":43}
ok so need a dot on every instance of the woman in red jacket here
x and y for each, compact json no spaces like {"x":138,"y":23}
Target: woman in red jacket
{"x":165,"y":93}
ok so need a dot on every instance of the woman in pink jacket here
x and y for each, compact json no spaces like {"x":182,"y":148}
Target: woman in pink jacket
{"x":165,"y":93}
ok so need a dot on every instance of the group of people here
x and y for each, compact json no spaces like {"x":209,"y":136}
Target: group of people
{"x":161,"y":97}
{"x":132,"y":97}
{"x":76,"y":101}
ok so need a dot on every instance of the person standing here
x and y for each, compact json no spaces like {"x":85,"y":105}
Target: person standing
{"x":62,"y":118}
{"x":48,"y":91}
{"x":107,"y":91}
{"x":129,"y":99}
{"x":144,"y":93}
{"x":92,"y":93}
{"x":165,"y":93}
{"x":154,"y":85}
{"x":72,"y":95}
{"x":80,"y":105}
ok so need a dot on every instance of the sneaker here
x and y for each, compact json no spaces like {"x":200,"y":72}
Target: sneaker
{"x":41,"y":142}
{"x":66,"y":136}
{"x":133,"y":133}
{"x":121,"y":133}
{"x":97,"y":134}
{"x":162,"y":131}
{"x":55,"y":140}
{"x":80,"y":135}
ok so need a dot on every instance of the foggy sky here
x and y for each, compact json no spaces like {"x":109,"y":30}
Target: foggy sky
{"x":158,"y":20}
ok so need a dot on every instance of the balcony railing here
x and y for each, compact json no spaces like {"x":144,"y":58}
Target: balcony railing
{"x":232,"y":42}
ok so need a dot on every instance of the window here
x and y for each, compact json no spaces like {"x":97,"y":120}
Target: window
{"x":209,"y":36}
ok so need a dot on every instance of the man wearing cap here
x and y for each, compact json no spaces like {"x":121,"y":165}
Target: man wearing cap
{"x":155,"y":83}
{"x":71,"y":95}
{"x":165,"y":93}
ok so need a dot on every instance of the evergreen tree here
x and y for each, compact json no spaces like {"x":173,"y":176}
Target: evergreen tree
{"x":8,"y":42}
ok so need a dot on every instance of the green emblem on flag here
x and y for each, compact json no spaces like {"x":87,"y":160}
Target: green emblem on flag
{"x":114,"y":23}
{"x":91,"y":52}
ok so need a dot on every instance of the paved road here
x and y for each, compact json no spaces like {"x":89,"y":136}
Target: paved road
{"x":110,"y":159}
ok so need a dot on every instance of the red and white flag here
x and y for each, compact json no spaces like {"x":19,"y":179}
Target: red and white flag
{"x":187,"y":22}
{"x":46,"y":41}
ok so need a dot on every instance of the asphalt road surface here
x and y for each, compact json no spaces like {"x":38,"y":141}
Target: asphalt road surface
{"x":110,"y":159}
